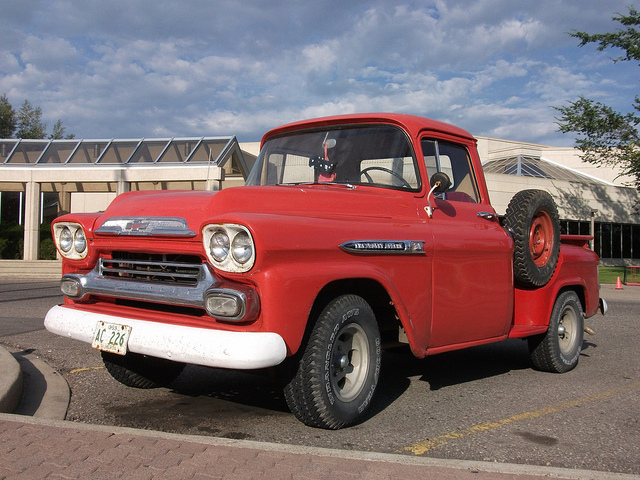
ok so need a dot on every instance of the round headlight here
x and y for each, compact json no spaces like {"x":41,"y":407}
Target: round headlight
{"x":66,"y":239}
{"x":79,"y":241}
{"x":219,"y":245}
{"x":242,"y":248}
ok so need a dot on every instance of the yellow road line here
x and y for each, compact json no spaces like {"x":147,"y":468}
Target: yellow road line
{"x":421,"y":448}
{"x":78,"y":370}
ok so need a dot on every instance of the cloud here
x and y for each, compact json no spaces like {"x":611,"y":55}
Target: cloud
{"x":148,"y":68}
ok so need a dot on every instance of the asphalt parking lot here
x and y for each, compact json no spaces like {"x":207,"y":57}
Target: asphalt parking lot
{"x":484,"y":403}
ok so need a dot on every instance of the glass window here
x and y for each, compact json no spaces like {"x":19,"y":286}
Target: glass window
{"x":119,"y":152}
{"x":635,"y":241}
{"x":585,"y":228}
{"x":89,"y":151}
{"x":626,"y":241}
{"x":379,"y":155}
{"x":616,"y":241}
{"x":605,"y":240}
{"x":58,"y":152}
{"x":148,"y":152}
{"x":430,"y":152}
{"x":454,"y":160}
{"x":574,"y":228}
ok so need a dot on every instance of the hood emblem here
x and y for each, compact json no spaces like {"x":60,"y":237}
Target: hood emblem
{"x":146,"y":226}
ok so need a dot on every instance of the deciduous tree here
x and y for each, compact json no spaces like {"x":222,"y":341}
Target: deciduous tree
{"x":605,"y":136}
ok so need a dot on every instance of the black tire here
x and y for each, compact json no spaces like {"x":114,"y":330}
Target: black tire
{"x":558,"y":350}
{"x":335,"y":379}
{"x":141,"y":371}
{"x":532,"y":217}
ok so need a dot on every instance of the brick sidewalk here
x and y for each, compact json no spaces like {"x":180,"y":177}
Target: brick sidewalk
{"x":35,"y":449}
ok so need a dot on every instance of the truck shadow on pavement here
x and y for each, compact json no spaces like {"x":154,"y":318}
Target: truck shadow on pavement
{"x":463,"y":366}
{"x":219,"y":402}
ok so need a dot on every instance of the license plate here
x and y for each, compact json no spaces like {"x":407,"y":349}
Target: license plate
{"x":111,"y":337}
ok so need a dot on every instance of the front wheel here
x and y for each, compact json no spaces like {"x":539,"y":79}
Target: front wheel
{"x":338,"y":371}
{"x":558,"y":350}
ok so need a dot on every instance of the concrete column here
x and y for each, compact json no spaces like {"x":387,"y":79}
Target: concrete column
{"x":122,"y":186}
{"x":31,"y":221}
{"x":215,"y":177}
{"x":592,"y":228}
{"x":64,"y":202}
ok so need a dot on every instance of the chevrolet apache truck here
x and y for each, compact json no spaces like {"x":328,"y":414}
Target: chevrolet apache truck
{"x":352,"y":234}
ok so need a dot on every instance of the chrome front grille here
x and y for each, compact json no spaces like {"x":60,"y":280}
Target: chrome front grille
{"x":166,"y":269}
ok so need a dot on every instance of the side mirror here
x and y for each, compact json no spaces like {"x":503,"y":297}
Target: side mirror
{"x":440,"y":182}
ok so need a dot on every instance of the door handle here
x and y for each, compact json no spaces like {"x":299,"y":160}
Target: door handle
{"x":488,"y":215}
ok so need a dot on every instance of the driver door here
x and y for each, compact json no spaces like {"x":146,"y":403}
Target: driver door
{"x":472,"y":276}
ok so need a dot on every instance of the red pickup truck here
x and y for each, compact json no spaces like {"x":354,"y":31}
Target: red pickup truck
{"x":352,"y":233}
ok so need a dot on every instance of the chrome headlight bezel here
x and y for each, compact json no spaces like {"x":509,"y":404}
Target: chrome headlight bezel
{"x":236,"y":253}
{"x":71,"y":240}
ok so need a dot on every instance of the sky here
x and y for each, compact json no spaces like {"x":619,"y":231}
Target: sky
{"x":162,"y":69}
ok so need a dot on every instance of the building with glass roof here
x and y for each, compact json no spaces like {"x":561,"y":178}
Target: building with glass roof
{"x":591,"y":199}
{"x":42,"y":179}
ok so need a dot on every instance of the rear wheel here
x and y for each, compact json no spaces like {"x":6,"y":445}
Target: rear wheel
{"x":141,"y":371}
{"x":338,"y":370}
{"x":558,"y":350}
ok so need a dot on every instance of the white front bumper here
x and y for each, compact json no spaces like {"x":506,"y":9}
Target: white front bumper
{"x":199,"y":346}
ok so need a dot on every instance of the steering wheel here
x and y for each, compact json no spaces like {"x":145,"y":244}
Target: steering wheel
{"x":404,"y":183}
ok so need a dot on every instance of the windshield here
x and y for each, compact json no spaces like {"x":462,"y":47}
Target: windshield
{"x":379,"y":155}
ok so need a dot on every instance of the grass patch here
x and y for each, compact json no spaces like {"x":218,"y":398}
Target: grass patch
{"x":610,"y":274}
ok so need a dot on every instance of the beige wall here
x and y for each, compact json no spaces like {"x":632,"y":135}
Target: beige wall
{"x":82,"y":202}
{"x":574,"y":200}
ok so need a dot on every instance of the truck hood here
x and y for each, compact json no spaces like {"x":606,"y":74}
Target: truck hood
{"x":316,"y":201}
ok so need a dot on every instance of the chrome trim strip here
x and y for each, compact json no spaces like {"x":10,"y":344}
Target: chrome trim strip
{"x":93,"y":283}
{"x":386,"y":247}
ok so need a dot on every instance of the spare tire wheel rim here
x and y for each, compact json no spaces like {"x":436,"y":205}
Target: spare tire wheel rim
{"x":541,"y":238}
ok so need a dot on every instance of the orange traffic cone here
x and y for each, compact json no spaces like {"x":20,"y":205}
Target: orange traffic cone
{"x":618,"y":284}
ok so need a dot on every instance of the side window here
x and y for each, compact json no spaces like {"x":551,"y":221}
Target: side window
{"x":430,"y":154}
{"x":453,"y":160}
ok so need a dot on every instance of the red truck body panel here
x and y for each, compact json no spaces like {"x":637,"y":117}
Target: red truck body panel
{"x":457,"y":292}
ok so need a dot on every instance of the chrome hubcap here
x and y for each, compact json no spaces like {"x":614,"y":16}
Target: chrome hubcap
{"x":350,"y":362}
{"x":567,"y":330}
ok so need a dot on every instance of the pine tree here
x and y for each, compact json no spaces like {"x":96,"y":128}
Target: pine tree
{"x":29,"y":122}
{"x":7,"y":118}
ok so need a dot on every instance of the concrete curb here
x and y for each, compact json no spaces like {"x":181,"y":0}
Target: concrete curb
{"x":482,"y":469}
{"x":10,"y":382}
{"x":28,"y":386}
{"x":46,"y":393}
{"x":47,"y":397}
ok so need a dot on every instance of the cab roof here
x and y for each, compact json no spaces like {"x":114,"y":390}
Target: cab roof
{"x":413,"y":124}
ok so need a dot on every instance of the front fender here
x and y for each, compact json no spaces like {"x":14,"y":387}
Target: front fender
{"x":289,"y":292}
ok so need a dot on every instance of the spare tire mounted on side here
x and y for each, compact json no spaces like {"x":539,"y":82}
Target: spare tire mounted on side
{"x":532,"y":217}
